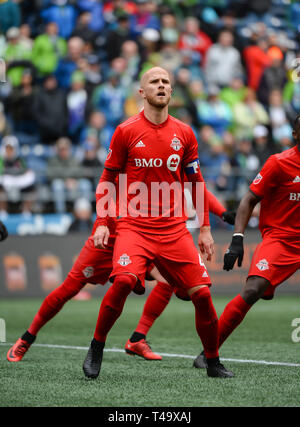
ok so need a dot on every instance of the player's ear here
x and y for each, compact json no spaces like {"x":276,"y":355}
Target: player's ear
{"x":141,"y":92}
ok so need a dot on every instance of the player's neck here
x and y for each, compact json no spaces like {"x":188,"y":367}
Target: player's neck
{"x":155,"y":115}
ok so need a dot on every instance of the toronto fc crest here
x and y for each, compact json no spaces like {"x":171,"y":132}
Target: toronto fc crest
{"x":124,"y":260}
{"x":176,"y":144}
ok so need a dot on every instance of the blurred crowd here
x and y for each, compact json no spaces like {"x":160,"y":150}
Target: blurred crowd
{"x":69,"y":73}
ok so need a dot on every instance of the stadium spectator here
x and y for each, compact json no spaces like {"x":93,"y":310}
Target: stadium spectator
{"x":95,"y":9}
{"x":256,"y":59}
{"x":83,"y":28}
{"x":274,"y":76}
{"x":82,"y":222}
{"x":262,"y":146}
{"x":145,"y":17}
{"x":234,"y":93}
{"x":68,"y":64}
{"x":50,"y":111}
{"x":109,"y":98}
{"x":214,"y":112}
{"x":278,"y":116}
{"x":48,"y":49}
{"x":65,"y":177}
{"x":116,"y":36}
{"x":63,"y":14}
{"x":194,"y":40}
{"x":223,"y":61}
{"x":77,"y":103}
{"x":92,"y":161}
{"x":249,"y":113}
{"x":169,"y":28}
{"x":17,"y":56}
{"x":20,"y":107}
{"x":17,"y":181}
{"x":10,"y":15}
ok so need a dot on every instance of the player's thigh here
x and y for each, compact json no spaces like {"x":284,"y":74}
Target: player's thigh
{"x":181,"y":264}
{"x":132,"y":254}
{"x":274,"y":260}
{"x":93,"y":265}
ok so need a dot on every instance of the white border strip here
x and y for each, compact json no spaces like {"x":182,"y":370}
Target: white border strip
{"x":182,"y":356}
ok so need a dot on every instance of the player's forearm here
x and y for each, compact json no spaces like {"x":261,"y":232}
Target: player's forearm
{"x":244,"y":212}
{"x":215,"y":206}
{"x":106,"y":195}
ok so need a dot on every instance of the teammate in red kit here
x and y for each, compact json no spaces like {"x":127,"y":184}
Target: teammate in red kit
{"x":153,"y":150}
{"x":277,"y":257}
{"x":94,"y":266}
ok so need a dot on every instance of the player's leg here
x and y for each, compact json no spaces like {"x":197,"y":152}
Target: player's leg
{"x":155,"y":304}
{"x":92,"y":265}
{"x":185,"y":269}
{"x":129,"y":268}
{"x":51,"y":305}
{"x":110,"y":310}
{"x":235,"y":311}
{"x":273,"y":262}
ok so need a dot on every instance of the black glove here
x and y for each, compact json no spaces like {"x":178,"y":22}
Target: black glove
{"x":235,"y":251}
{"x":229,"y":216}
{"x":3,"y":231}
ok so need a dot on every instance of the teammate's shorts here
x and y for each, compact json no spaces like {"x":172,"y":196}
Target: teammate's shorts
{"x":93,"y":265}
{"x":275,"y":260}
{"x":175,"y":256}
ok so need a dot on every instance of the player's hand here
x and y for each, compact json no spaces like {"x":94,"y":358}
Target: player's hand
{"x":101,"y":236}
{"x":206,"y":243}
{"x":233,"y":253}
{"x":229,"y":217}
{"x":3,"y":232}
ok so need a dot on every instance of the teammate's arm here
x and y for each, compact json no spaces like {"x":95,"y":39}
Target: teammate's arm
{"x":216,"y":207}
{"x":244,"y":212}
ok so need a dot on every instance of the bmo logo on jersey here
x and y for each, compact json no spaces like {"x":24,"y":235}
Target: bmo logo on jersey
{"x":172,"y":162}
{"x":148,"y":163}
{"x":295,"y":197}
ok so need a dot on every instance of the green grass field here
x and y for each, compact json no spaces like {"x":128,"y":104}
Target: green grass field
{"x":53,"y":376}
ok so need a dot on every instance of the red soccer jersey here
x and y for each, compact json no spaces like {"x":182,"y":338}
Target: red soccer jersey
{"x":147,"y":155}
{"x":278,"y":184}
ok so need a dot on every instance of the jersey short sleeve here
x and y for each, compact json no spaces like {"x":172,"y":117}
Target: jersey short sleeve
{"x":266,"y":178}
{"x":117,"y":153}
{"x":190,"y":157}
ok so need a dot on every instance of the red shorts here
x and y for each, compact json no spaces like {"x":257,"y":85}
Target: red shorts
{"x":275,"y":260}
{"x":93,"y":265}
{"x":175,"y":256}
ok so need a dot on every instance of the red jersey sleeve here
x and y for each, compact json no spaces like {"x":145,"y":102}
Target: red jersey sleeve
{"x":117,"y":153}
{"x":191,"y":151}
{"x":266,"y":178}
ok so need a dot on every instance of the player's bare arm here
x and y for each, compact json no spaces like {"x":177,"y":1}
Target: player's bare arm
{"x":244,"y":212}
{"x":236,"y":248}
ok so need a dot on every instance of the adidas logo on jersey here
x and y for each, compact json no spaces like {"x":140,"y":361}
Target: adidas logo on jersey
{"x":205,"y":274}
{"x":297,"y":179}
{"x":140,"y":144}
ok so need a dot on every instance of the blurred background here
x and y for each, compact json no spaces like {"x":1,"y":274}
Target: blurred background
{"x":69,"y":74}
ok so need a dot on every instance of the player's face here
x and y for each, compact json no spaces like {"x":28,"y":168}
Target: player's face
{"x":296,"y":133}
{"x":156,"y":89}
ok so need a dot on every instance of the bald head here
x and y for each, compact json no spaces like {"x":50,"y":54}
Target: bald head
{"x":153,"y":72}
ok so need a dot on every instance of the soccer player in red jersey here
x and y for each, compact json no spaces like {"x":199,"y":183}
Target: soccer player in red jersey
{"x":94,"y":265}
{"x":148,"y":149}
{"x":277,"y":257}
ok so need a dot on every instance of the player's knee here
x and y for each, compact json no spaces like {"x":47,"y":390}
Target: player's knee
{"x":125,"y":283}
{"x":254,"y":289}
